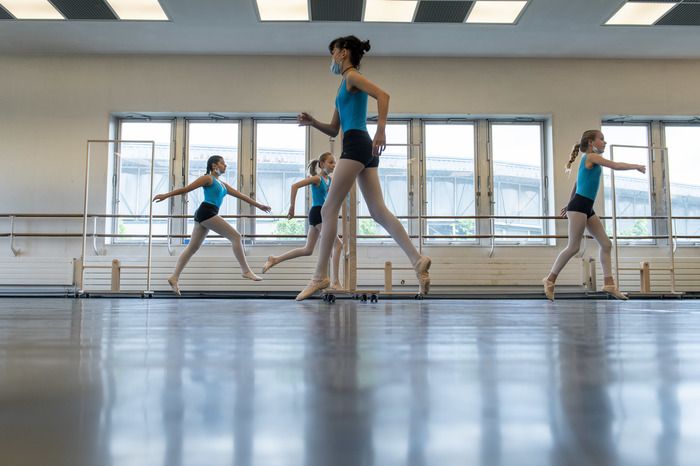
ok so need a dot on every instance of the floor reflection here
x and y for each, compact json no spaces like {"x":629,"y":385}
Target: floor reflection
{"x":246,"y":382}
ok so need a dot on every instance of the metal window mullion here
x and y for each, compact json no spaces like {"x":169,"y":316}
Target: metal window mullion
{"x":544,"y":170}
{"x":657,"y":177}
{"x":116,"y":180}
{"x":252,"y":175}
{"x":180,"y":146}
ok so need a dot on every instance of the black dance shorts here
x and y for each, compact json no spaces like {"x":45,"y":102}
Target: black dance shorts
{"x":205,"y":211}
{"x":315,"y":216}
{"x":357,"y":145}
{"x":581,"y":204}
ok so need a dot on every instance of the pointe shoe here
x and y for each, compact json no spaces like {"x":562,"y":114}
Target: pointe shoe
{"x":613,"y":291}
{"x":251,"y":276}
{"x":313,"y":287}
{"x":548,"y":289}
{"x":336,"y":286}
{"x":269,"y":264}
{"x":421,"y":267}
{"x":174,"y":285}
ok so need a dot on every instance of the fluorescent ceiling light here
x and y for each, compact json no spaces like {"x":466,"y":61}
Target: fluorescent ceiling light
{"x":138,"y":10}
{"x":496,"y":12}
{"x":640,"y":13}
{"x":390,"y":11}
{"x":31,"y":9}
{"x":283,"y":10}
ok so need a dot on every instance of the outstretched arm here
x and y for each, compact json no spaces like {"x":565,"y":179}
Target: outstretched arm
{"x":204,"y":180}
{"x":236,"y":193}
{"x":603,"y":162}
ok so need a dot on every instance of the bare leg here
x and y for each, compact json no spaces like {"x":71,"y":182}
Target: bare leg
{"x":223,"y":228}
{"x":577,"y":226}
{"x":345,"y":173}
{"x":307,"y":250}
{"x":371,"y":188}
{"x":199,"y":234}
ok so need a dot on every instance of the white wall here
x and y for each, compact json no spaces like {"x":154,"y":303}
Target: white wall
{"x":49,"y":107}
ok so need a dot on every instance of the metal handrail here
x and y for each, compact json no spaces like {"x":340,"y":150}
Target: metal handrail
{"x":403,"y":217}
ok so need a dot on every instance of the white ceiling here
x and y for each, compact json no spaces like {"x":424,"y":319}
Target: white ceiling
{"x":548,"y":28}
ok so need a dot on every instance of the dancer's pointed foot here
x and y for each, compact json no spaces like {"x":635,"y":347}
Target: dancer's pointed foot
{"x":313,"y":287}
{"x":174,"y":285}
{"x":421,"y":267}
{"x":336,"y":285}
{"x":613,"y":291}
{"x":251,"y":276}
{"x":269,"y":264}
{"x":548,"y":288}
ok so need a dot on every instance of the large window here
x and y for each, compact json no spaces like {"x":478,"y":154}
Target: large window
{"x":393,"y":176}
{"x":449,"y":179}
{"x":632,"y":188}
{"x":517,"y":167}
{"x":280,"y":160}
{"x":133,"y":171}
{"x":205,"y":139}
{"x":683,"y":155}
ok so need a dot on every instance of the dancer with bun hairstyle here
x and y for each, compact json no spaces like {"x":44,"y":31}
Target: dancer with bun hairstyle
{"x":358,"y":161}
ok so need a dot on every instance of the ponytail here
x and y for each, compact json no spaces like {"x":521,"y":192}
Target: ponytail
{"x":313,"y":167}
{"x":584,"y":145}
{"x":574,"y":154}
{"x":314,"y":164}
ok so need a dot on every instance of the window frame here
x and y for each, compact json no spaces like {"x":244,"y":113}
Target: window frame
{"x":184,"y":202}
{"x":544,"y":180}
{"x":653,"y":200}
{"x":116,"y":178}
{"x":424,"y":122}
{"x":252,"y":227}
{"x":666,"y":171}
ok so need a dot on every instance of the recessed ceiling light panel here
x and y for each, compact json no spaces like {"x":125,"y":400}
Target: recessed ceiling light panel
{"x":640,"y":13}
{"x":31,"y":9}
{"x":390,"y":11}
{"x":138,"y":10}
{"x":495,"y":12}
{"x":283,"y":10}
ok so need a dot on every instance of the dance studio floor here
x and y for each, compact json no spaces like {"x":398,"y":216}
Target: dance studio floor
{"x":273,"y":382}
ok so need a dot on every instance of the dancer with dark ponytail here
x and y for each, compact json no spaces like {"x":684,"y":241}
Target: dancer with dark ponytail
{"x":580,"y":212}
{"x":207,"y":218}
{"x":359,"y":160}
{"x":320,"y":181}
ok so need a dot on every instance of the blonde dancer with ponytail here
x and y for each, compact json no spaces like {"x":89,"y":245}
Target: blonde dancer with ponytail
{"x":580,"y":212}
{"x":320,"y":181}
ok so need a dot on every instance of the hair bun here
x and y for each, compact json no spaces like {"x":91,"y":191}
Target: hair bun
{"x":366,"y":46}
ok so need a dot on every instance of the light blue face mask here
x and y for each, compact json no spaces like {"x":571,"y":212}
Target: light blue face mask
{"x":335,"y":67}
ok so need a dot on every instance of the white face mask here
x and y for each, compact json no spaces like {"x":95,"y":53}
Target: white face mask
{"x":335,"y":67}
{"x":598,"y":151}
{"x":217,"y":172}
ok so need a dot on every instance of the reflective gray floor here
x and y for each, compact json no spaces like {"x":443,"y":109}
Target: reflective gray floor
{"x":255,"y":382}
